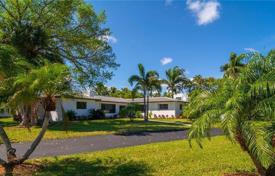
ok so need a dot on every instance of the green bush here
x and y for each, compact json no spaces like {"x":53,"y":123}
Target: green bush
{"x":96,"y":114}
{"x":71,"y":115}
{"x":138,"y":114}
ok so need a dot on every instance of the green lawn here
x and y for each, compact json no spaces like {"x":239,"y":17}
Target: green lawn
{"x":87,"y":128}
{"x":160,"y":159}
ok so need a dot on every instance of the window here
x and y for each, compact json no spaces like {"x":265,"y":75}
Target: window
{"x":81,"y":105}
{"x":163,"y":106}
{"x":108,"y":108}
{"x":180,"y":106}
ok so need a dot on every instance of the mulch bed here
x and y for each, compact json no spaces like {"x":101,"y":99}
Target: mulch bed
{"x":25,"y":169}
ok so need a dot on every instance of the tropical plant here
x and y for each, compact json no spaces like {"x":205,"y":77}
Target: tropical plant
{"x":146,"y":82}
{"x":175,"y":80}
{"x":236,"y":104}
{"x":71,"y":114}
{"x":96,"y":114}
{"x":101,"y":89}
{"x":43,"y":85}
{"x":234,"y":67}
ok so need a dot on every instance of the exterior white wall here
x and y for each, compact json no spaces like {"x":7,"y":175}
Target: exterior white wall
{"x":70,"y":104}
{"x":177,"y":108}
{"x":4,"y":114}
{"x":156,"y":112}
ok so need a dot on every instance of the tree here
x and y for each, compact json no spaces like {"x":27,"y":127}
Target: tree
{"x":233,"y":68}
{"x":43,"y":85}
{"x":237,"y":104}
{"x":145,"y":82}
{"x":68,"y":32}
{"x":175,"y":80}
{"x":35,"y":31}
{"x":101,"y":90}
{"x":200,"y":83}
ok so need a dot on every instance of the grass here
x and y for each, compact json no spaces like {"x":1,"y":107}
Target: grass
{"x":160,"y":159}
{"x":87,"y":128}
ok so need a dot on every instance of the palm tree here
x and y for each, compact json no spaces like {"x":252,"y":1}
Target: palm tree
{"x":233,"y":68}
{"x":42,"y":84}
{"x":144,"y":82}
{"x":236,"y":105}
{"x":175,"y":80}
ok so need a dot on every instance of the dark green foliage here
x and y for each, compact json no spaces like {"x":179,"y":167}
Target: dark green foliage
{"x":71,"y":115}
{"x":96,"y":114}
{"x":102,"y":90}
{"x":131,"y":111}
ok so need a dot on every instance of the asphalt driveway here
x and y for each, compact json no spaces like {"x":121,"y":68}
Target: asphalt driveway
{"x":96,"y":143}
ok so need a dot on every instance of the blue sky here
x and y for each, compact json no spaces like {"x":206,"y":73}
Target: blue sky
{"x":195,"y":35}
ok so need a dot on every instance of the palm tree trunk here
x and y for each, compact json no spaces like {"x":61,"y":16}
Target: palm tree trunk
{"x":260,"y":168}
{"x":144,"y":106}
{"x":9,"y":169}
{"x":25,"y":111}
{"x":10,"y":151}
{"x":147,"y":107}
{"x":38,"y":138}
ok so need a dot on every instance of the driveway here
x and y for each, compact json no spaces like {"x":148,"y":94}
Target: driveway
{"x":97,"y":143}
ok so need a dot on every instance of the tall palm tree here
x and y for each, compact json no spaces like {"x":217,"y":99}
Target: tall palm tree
{"x":42,"y":84}
{"x":175,"y":80}
{"x":233,"y":68}
{"x":144,"y":82}
{"x":236,"y":104}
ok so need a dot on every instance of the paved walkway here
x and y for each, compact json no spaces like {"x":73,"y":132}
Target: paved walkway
{"x":97,"y":143}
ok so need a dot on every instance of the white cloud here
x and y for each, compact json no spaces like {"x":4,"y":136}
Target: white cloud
{"x":109,"y":38}
{"x":252,"y":50}
{"x":166,"y":60}
{"x":168,"y":2}
{"x":205,"y":11}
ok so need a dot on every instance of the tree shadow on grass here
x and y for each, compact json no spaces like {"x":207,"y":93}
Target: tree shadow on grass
{"x":117,"y":125}
{"x":97,"y":167}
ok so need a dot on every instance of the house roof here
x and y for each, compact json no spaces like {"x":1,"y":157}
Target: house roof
{"x":157,"y":99}
{"x":111,"y":99}
{"x":123,"y":100}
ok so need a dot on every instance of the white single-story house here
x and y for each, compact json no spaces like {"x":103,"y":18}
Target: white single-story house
{"x":82,"y":105}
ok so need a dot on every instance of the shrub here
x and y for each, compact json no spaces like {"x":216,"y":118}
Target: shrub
{"x":123,"y":112}
{"x":71,"y":115}
{"x":138,"y":114}
{"x":96,"y":114}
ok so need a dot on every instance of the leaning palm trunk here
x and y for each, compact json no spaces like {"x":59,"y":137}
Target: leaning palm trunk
{"x":12,"y":160}
{"x":38,"y":138}
{"x":260,"y":168}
